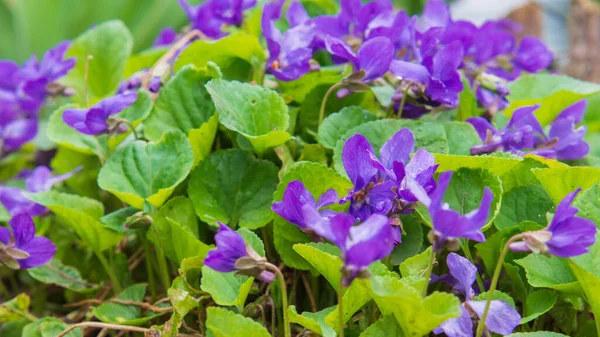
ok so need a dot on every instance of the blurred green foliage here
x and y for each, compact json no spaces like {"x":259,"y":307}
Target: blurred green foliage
{"x":33,"y":26}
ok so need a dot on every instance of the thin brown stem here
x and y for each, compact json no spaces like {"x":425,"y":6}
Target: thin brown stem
{"x":148,"y":306}
{"x":311,"y":299}
{"x":170,"y":53}
{"x":102,"y":326}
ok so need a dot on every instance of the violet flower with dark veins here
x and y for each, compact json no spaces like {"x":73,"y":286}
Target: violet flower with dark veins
{"x":566,"y":236}
{"x":233,"y":254}
{"x":448,"y":224}
{"x":210,"y":16}
{"x":295,"y":198}
{"x":501,"y":319}
{"x":38,"y":180}
{"x":94,"y":120}
{"x":289,"y":53}
{"x":23,"y":249}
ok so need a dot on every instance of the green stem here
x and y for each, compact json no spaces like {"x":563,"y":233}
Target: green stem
{"x":325,"y":98}
{"x":151,"y":281}
{"x":402,"y":102}
{"x":494,"y":283}
{"x":467,"y":251}
{"x":340,"y":295}
{"x":110,"y":271}
{"x":428,"y":273}
{"x":163,"y":268}
{"x":284,"y":298}
{"x":131,"y":126}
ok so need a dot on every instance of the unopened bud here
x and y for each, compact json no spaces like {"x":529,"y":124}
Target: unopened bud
{"x":138,"y":220}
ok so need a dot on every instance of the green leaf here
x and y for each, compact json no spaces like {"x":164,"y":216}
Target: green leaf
{"x":415,"y":267}
{"x":150,"y":172}
{"x":538,"y":303}
{"x":313,"y":321}
{"x":521,"y":175}
{"x":111,"y":312}
{"x":560,"y":181}
{"x":430,"y":136}
{"x":553,"y":92}
{"x":461,"y":137}
{"x":184,"y":104}
{"x":498,"y":295}
{"x":257,"y":113}
{"x":182,"y":301}
{"x":116,"y":220}
{"x":224,"y":323}
{"x":465,"y":192}
{"x":315,"y":153}
{"x":412,"y":242}
{"x":490,"y":249}
{"x":337,"y":124}
{"x":64,"y":276}
{"x":467,"y":102}
{"x":385,"y":326}
{"x":84,"y":182}
{"x":586,"y":269}
{"x":324,"y":258}
{"x":15,"y":309}
{"x":494,"y":164}
{"x":135,"y":114}
{"x":82,"y":215}
{"x":519,"y":289}
{"x":233,"y":187}
{"x":550,"y":272}
{"x":588,"y":204}
{"x":240,"y":56}
{"x":110,"y":45}
{"x":417,"y":316}
{"x":175,"y":229}
{"x":317,"y":179}
{"x":229,"y":289}
{"x":49,"y":327}
{"x":525,"y":203}
{"x":298,"y":89}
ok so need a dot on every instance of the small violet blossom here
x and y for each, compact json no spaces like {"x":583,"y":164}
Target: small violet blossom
{"x":360,"y":245}
{"x":501,"y":319}
{"x":210,"y":16}
{"x":524,"y":134}
{"x":295,"y":197}
{"x":165,"y":38}
{"x":38,"y":180}
{"x":95,"y":120}
{"x":566,"y":236}
{"x":232,"y":254}
{"x":448,"y":224}
{"x":289,"y":53}
{"x":23,"y":249}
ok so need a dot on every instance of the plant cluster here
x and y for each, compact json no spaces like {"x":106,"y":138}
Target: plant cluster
{"x":299,"y":168}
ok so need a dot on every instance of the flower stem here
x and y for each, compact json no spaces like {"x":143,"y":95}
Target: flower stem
{"x":149,"y":270}
{"x":325,"y":98}
{"x":495,"y":279}
{"x":402,"y":102}
{"x":110,"y":271}
{"x":284,"y":298}
{"x":163,"y":267}
{"x":428,"y":273}
{"x":467,"y":251}
{"x":340,"y":295}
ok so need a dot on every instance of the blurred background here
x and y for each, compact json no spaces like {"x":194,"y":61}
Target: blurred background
{"x":571,"y":28}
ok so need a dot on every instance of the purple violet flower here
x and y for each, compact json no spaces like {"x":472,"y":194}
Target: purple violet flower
{"x":501,"y":319}
{"x":210,"y":16}
{"x":448,"y":224}
{"x":166,"y":37}
{"x":437,"y":79}
{"x":436,"y":14}
{"x":295,"y":198}
{"x":232,"y":254}
{"x":289,"y":53}
{"x":15,"y":133}
{"x":38,"y":180}
{"x":567,"y":235}
{"x":361,"y":244}
{"x":94,"y":120}
{"x":524,"y":134}
{"x":23,"y":249}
